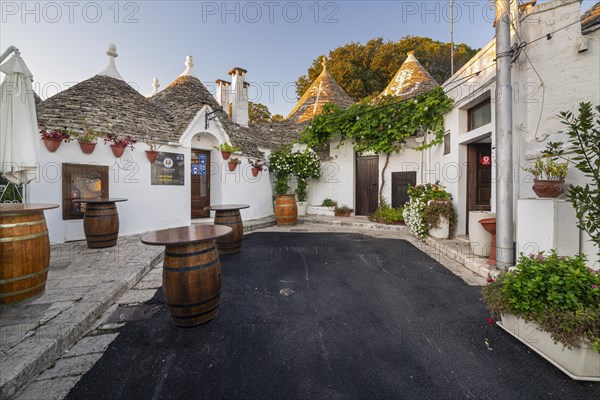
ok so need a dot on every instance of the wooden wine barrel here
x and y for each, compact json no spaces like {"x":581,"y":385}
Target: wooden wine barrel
{"x":230,"y":244}
{"x":24,"y":256}
{"x":192,"y":282}
{"x":286,"y":209}
{"x":101,"y":225}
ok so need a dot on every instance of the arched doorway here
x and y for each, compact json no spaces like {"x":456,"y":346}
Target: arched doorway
{"x":200,"y":183}
{"x":203,"y":167}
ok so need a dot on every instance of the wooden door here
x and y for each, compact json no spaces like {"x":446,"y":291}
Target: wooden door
{"x":200,"y":181}
{"x":479,"y":178}
{"x":367,"y":184}
{"x":400,"y":184}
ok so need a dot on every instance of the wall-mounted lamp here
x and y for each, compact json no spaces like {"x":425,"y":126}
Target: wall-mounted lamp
{"x":420,"y":138}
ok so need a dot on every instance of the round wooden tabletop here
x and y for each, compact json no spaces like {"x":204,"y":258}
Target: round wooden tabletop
{"x":227,"y":207}
{"x":98,"y":200}
{"x":27,"y":207}
{"x":186,"y":235}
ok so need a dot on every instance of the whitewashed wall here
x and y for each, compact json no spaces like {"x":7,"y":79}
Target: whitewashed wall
{"x":229,"y":187}
{"x":337,"y":180}
{"x":149,"y":206}
{"x":563,"y":77}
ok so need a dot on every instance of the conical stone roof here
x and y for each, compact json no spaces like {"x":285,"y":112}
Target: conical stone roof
{"x":182,"y":99}
{"x":109,"y":105}
{"x":323,"y":90}
{"x":411,"y":80}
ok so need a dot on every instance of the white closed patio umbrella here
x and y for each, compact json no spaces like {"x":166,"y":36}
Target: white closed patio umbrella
{"x":18,"y":122}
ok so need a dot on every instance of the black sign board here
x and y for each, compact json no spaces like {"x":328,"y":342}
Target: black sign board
{"x":168,"y":169}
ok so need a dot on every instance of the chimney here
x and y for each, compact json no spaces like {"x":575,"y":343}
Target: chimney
{"x":223,"y":94}
{"x":239,"y":109}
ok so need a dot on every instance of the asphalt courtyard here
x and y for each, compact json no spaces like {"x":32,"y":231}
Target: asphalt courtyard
{"x":328,"y":316}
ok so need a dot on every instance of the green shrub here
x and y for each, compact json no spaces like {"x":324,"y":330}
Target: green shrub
{"x":329,"y":203}
{"x":560,"y":294}
{"x":388,"y":215}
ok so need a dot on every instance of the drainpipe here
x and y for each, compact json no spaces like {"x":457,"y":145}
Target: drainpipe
{"x":504,"y":181}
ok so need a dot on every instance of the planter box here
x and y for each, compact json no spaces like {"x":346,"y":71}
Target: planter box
{"x":319,"y":210}
{"x":443,"y":232}
{"x":582,"y":363}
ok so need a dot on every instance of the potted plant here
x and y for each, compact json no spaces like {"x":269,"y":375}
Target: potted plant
{"x":421,"y":197}
{"x":87,"y":139}
{"x":226,"y":149}
{"x":343,"y":211}
{"x":281,"y":165}
{"x":52,"y":138}
{"x":118,"y":144}
{"x":440,"y":217}
{"x":552,"y":304}
{"x":548,"y":174}
{"x":257,"y":166}
{"x":152,"y":153}
{"x":233,"y":163}
{"x":306,"y":165}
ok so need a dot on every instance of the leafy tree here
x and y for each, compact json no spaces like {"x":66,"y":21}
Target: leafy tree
{"x":365,"y":70}
{"x":258,"y":113}
{"x":277,"y":118}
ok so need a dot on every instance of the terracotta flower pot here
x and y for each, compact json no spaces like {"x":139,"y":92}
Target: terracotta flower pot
{"x":117,"y":150}
{"x":225,"y":155}
{"x":87,"y":147}
{"x":232,"y":166}
{"x":255,"y":171}
{"x":548,"y":189}
{"x":152,"y":155}
{"x":52,"y":144}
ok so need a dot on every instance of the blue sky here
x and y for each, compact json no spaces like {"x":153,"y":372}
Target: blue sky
{"x":274,"y":40}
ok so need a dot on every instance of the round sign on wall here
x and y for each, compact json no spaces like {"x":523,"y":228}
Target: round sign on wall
{"x":486,"y":161}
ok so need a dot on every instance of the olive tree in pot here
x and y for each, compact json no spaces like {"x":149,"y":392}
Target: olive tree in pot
{"x":306,"y":165}
{"x":552,"y":304}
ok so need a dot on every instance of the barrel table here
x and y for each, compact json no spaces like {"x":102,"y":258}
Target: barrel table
{"x":100,"y":222}
{"x":229,"y":215}
{"x":191,"y":271}
{"x":24,"y":252}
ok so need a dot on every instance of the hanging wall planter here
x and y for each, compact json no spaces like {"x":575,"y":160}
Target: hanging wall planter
{"x":87,"y":147}
{"x":117,"y":150}
{"x":52,"y":144}
{"x":119,"y":144}
{"x":151,"y":155}
{"x":233,"y":163}
{"x":225,"y":155}
{"x":53,"y":137}
{"x":255,"y":171}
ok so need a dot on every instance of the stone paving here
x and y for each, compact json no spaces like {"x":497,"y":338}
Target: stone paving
{"x":90,"y":296}
{"x":82,"y":284}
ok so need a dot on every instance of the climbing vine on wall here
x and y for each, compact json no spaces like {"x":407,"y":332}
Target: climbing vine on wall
{"x":382,"y":126}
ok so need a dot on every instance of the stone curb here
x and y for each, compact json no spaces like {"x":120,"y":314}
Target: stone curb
{"x":471,"y":262}
{"x":36,"y":352}
{"x":353,"y":224}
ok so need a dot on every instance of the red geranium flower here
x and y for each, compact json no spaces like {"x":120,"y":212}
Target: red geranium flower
{"x":490,"y":321}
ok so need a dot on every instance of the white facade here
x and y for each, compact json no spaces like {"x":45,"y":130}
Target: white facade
{"x":151,"y":207}
{"x":549,"y":76}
